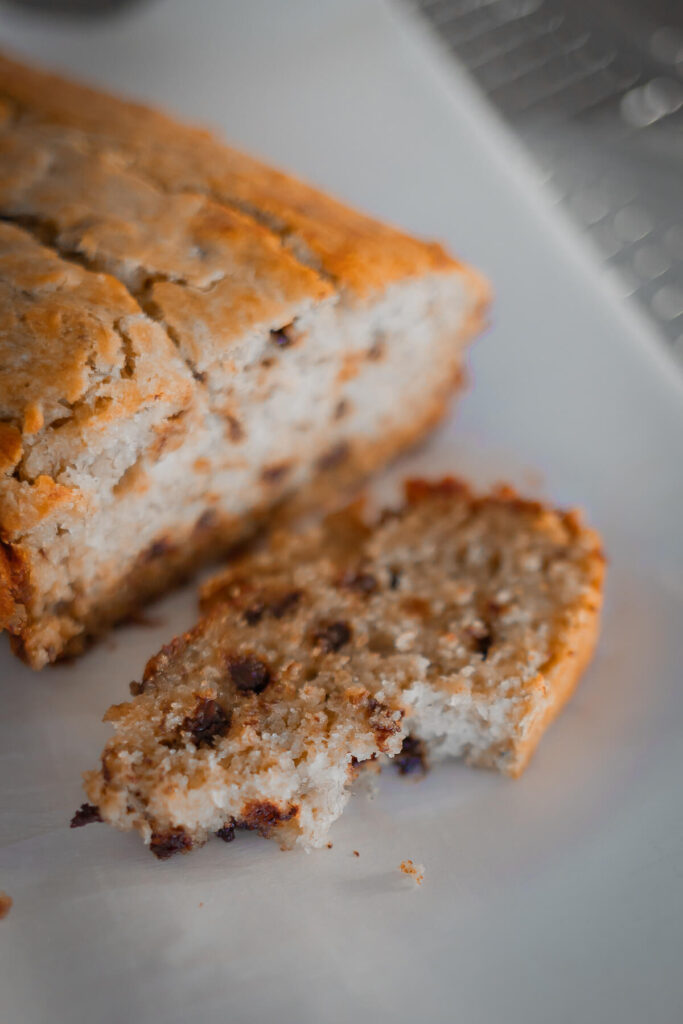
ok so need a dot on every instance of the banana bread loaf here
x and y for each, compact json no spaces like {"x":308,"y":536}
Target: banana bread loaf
{"x":188,"y":338}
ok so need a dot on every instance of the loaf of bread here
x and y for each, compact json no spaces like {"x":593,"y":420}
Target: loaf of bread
{"x":458,"y":625}
{"x":188,"y":339}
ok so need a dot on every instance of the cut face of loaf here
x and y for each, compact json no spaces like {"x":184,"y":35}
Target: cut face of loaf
{"x":188,"y":338}
{"x":461,"y":622}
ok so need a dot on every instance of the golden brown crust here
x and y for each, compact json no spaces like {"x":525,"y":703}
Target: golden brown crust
{"x":11,"y":448}
{"x":14,"y":589}
{"x":356,"y":251}
{"x":208,"y":272}
{"x":67,"y":339}
{"x":560,"y":677}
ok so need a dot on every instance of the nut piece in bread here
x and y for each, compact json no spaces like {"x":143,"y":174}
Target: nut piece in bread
{"x":462,"y":622}
{"x":207,"y":337}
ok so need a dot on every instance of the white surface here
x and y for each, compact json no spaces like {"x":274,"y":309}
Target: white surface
{"x":555,"y":898}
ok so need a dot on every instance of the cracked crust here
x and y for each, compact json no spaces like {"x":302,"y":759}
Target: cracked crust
{"x":74,"y":344}
{"x":455,"y":626}
{"x":204,"y":270}
{"x":357,"y":252}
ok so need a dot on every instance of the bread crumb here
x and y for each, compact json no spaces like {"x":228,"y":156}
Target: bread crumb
{"x":201,"y":904}
{"x":356,"y":853}
{"x":329,"y":846}
{"x":414,"y":871}
{"x":5,"y":904}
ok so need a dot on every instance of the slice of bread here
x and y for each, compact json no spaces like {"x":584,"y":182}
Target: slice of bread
{"x":459,"y":623}
{"x":189,"y":338}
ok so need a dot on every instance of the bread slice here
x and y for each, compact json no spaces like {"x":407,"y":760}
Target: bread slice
{"x":291,"y":345}
{"x":459,"y":623}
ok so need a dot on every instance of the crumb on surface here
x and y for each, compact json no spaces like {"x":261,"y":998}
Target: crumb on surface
{"x":414,"y":871}
{"x":329,"y":846}
{"x":356,"y":853}
{"x":85,"y":815}
{"x":5,"y":904}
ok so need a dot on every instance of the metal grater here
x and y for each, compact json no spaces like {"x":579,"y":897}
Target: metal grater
{"x":595,"y":91}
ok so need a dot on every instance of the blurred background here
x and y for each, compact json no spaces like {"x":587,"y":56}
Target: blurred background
{"x":594,"y":90}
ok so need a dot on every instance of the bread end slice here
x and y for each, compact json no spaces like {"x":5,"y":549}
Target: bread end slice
{"x":460,"y":623}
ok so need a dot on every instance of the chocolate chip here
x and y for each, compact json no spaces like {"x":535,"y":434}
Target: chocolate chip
{"x":208,"y":721}
{"x":274,"y":474}
{"x":164,"y":844}
{"x":85,"y":815}
{"x":334,"y":457}
{"x":482,"y":638}
{"x":361,"y":582}
{"x":227,"y":833}
{"x":250,"y":675}
{"x":235,"y":429}
{"x":376,"y":350}
{"x":206,"y":521}
{"x":277,"y":606}
{"x":263,"y":816}
{"x":255,"y":613}
{"x":411,"y":759}
{"x":280,"y":606}
{"x":482,"y":645}
{"x":332,"y":636}
{"x":282,"y":338}
{"x":157,"y":550}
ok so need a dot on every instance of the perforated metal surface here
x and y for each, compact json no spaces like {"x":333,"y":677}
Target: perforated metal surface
{"x":595,"y":90}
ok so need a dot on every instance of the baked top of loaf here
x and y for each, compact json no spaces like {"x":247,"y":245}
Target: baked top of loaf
{"x":74,"y":345}
{"x":458,"y":620}
{"x":355,"y":251}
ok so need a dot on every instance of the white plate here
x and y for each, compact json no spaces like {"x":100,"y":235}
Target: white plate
{"x":556,"y":898}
